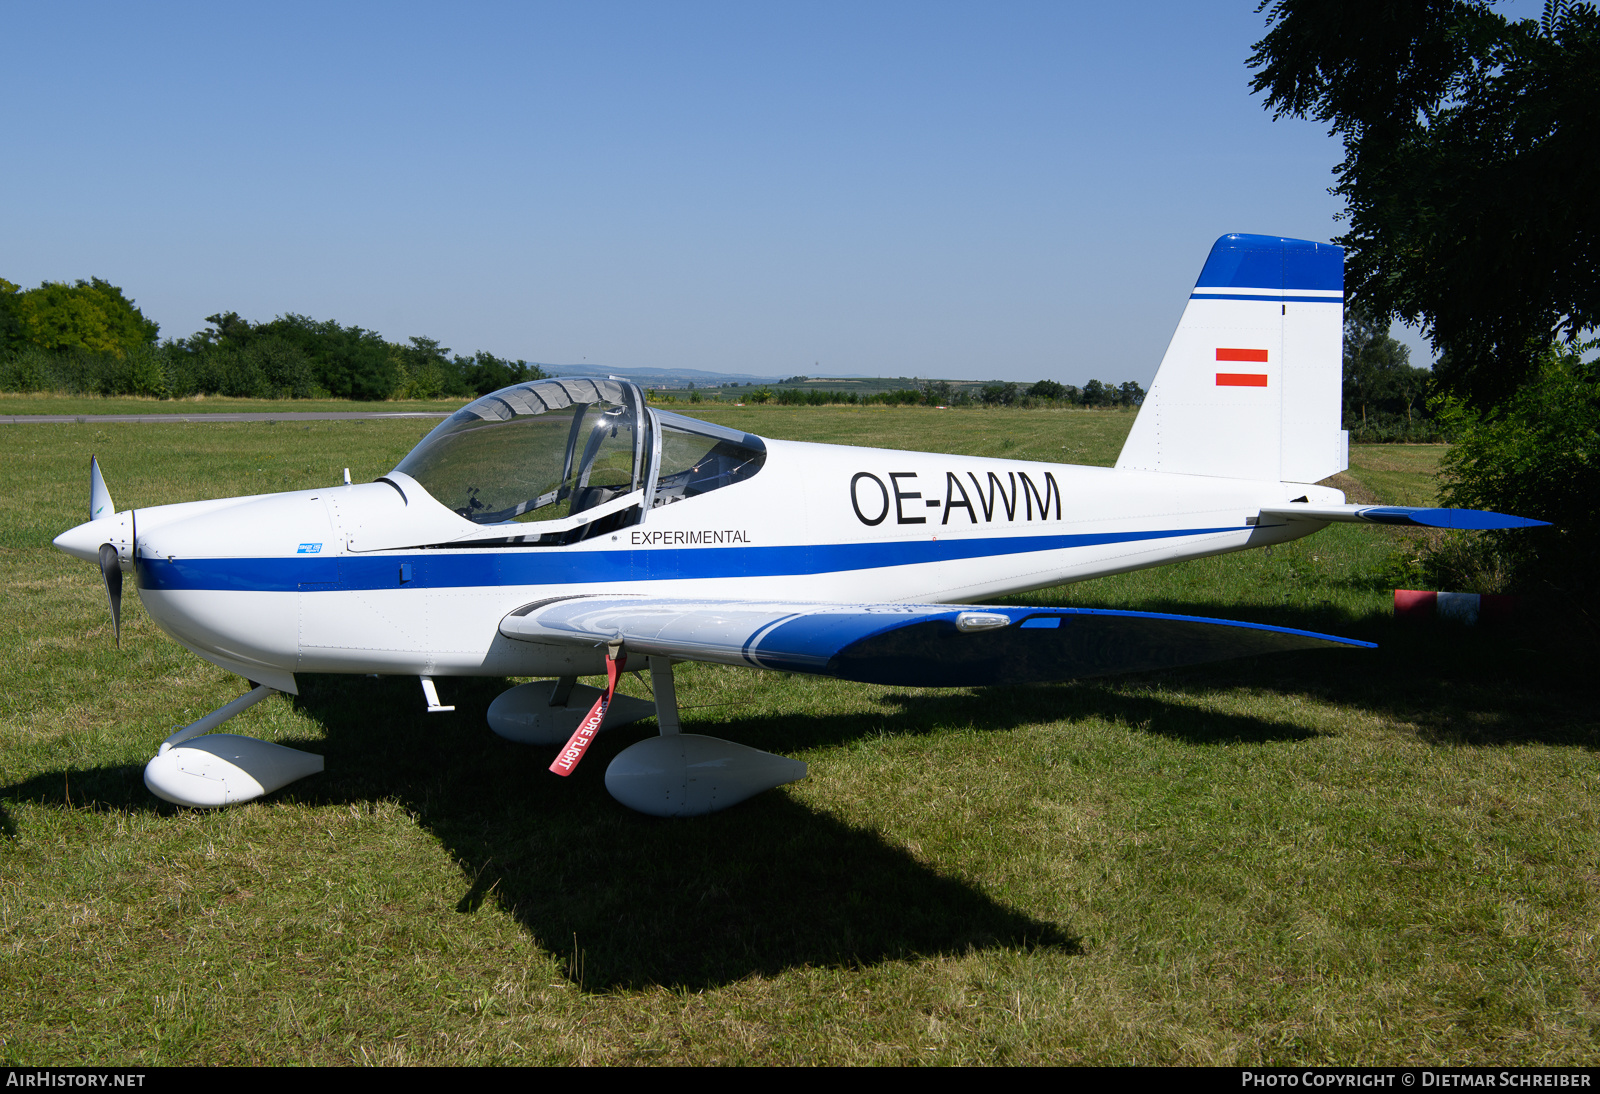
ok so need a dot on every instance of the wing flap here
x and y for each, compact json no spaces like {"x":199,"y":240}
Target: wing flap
{"x":920,"y":645}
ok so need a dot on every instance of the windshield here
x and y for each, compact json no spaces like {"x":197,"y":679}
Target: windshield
{"x":537,"y":451}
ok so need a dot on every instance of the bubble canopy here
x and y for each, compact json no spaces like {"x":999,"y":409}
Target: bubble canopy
{"x":556,"y":449}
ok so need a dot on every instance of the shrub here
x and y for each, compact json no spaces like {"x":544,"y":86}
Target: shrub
{"x":1536,"y":455}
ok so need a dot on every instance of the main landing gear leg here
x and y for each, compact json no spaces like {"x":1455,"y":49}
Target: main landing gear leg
{"x":681,"y":774}
{"x":224,"y":768}
{"x":544,"y":714}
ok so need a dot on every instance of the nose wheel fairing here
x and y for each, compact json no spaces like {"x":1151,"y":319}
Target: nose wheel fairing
{"x":204,"y":770}
{"x":225,"y":768}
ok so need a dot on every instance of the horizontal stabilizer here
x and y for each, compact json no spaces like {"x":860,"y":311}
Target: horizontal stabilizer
{"x":1473,"y":519}
{"x":919,"y":645}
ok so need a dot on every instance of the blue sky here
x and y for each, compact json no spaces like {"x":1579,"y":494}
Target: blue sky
{"x":962,"y":190}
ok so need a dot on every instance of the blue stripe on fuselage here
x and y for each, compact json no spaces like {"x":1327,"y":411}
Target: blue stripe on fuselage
{"x":1276,"y":298}
{"x":544,"y":566}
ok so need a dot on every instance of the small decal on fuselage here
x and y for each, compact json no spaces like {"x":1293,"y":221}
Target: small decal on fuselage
{"x":1010,"y":498}
{"x":694,"y":537}
{"x":309,"y":549}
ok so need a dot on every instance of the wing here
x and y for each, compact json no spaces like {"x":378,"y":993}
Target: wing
{"x":1475,"y":519}
{"x":921,"y":645}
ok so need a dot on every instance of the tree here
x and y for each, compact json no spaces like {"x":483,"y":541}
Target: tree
{"x":349,"y":362}
{"x":999,"y":394}
{"x":426,"y":371}
{"x":484,"y":372}
{"x":226,"y":329}
{"x":10,"y":330}
{"x":1471,"y":148}
{"x":91,"y":315}
{"x":1379,"y":379}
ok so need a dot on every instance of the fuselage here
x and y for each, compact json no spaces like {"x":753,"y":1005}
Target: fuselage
{"x":373,"y":578}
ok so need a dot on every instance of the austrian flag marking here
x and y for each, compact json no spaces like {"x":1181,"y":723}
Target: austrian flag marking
{"x":1242,"y":379}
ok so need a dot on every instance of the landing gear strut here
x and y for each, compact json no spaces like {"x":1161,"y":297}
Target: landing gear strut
{"x":675,"y":774}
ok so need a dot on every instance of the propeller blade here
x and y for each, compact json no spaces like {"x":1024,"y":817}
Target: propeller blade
{"x":99,"y":497}
{"x":111,"y":570}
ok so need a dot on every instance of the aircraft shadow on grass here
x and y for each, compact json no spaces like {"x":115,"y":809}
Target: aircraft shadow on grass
{"x":774,"y":884}
{"x":1517,"y":681}
{"x":636,"y":901}
{"x":639,"y":901}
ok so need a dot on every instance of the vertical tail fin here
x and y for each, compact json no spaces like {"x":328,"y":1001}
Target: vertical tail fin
{"x":1250,"y":385}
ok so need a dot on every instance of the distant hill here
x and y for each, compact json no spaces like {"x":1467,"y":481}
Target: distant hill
{"x":675,"y":378}
{"x":679,"y":379}
{"x":663,"y":377}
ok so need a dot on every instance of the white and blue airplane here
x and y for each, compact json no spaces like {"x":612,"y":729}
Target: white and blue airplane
{"x":560,"y":527}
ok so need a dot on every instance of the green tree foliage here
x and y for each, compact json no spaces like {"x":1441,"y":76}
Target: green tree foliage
{"x":89,"y":338}
{"x":999,"y":394}
{"x":1100,"y":393}
{"x":484,"y":372}
{"x":348,"y":362}
{"x":1472,"y":145}
{"x":1385,"y":396}
{"x":425,"y":370}
{"x":89,"y":315}
{"x":1536,"y":455}
{"x":10,"y":329}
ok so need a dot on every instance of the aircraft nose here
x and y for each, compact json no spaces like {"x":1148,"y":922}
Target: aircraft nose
{"x":84,"y":541}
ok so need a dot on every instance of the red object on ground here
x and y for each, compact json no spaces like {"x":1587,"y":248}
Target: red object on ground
{"x":1414,"y":604}
{"x":1468,"y":608}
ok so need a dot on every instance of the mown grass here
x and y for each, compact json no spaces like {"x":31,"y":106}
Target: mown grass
{"x":1375,"y":857}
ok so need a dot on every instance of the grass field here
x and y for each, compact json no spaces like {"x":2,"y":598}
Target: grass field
{"x":1353,"y":857}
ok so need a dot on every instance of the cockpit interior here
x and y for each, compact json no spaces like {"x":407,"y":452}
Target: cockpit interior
{"x":568,"y":459}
